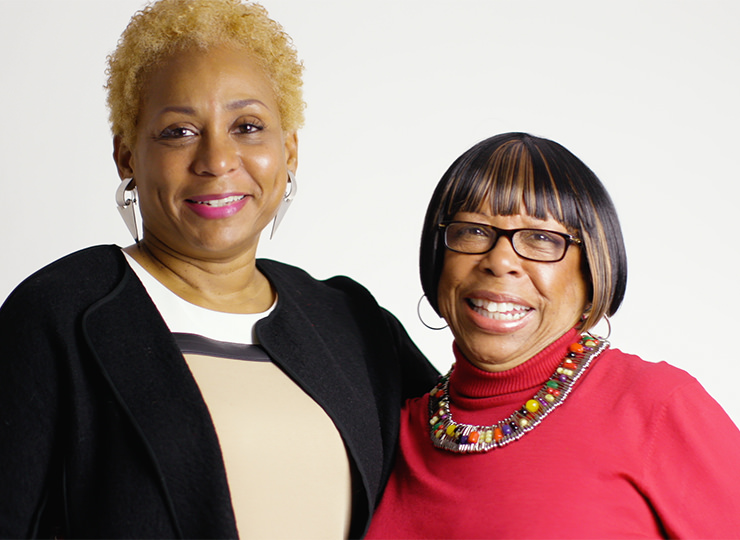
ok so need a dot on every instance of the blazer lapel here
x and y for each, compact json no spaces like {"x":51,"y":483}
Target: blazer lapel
{"x":153,"y":384}
{"x":319,"y":347}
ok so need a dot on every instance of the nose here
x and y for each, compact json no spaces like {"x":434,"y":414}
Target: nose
{"x":217,"y":155}
{"x":501,"y":259}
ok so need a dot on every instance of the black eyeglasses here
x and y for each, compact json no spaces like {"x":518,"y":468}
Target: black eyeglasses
{"x":531,"y":244}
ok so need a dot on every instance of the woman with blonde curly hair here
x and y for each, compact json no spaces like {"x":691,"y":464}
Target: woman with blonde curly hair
{"x":179,"y":387}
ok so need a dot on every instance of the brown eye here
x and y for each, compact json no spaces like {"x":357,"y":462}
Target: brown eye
{"x":468,"y":237}
{"x":176,"y":132}
{"x":538,"y":244}
{"x":247,"y":128}
{"x":535,"y":237}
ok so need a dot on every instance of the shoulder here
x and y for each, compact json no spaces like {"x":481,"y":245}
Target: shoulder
{"x":88,"y":273}
{"x":338,"y":307}
{"x":638,"y":373}
{"x":79,"y":265}
{"x":654,"y":405}
{"x":301,"y":285}
{"x":682,"y":441}
{"x":648,"y":388}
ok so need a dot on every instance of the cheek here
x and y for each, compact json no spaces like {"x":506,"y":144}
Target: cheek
{"x":447,"y":288}
{"x":263,"y":161}
{"x":560,"y":285}
{"x":152,"y":170}
{"x":268,"y":170}
{"x":443,"y":302}
{"x":267,"y":158}
{"x":567,"y":290}
{"x":580,"y":286}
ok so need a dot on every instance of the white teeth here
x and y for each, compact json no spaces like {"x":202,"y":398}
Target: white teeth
{"x":499,"y":311}
{"x":222,"y":202}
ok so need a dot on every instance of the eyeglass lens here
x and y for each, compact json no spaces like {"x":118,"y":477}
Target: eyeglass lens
{"x":535,"y":244}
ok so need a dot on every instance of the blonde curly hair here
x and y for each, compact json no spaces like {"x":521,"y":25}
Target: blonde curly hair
{"x":164,"y":27}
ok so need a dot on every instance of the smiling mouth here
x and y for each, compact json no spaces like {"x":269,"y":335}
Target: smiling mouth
{"x":498,"y":311}
{"x":217,"y":203}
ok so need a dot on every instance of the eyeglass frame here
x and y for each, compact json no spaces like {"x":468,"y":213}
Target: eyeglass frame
{"x":509,"y":234}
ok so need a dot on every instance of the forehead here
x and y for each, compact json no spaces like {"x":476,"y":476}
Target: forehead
{"x":194,"y":75}
{"x":518,"y":220}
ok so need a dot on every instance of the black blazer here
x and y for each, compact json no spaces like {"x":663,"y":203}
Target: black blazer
{"x":104,"y":433}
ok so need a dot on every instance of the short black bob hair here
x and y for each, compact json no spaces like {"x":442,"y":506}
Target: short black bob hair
{"x":516,"y":173}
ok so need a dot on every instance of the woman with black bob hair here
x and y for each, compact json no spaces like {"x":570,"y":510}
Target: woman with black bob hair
{"x":541,"y":175}
{"x":540,"y":429}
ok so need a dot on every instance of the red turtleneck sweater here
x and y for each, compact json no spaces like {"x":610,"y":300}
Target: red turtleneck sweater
{"x":638,"y":450}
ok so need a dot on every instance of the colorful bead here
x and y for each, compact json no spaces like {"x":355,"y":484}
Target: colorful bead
{"x":576,"y":348}
{"x":552,"y":384}
{"x":506,"y":428}
{"x":532,"y":406}
{"x":451,"y":429}
{"x":569,"y":365}
{"x":473,"y":437}
{"x":497,"y":434}
{"x":550,"y":398}
{"x":489,"y":436}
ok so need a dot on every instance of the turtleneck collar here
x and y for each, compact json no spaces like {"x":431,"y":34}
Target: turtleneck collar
{"x":470,"y":382}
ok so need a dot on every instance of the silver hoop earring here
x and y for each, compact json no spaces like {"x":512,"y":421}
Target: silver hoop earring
{"x":418,"y":314}
{"x":608,"y":329}
{"x":290,"y":191}
{"x":127,"y":199}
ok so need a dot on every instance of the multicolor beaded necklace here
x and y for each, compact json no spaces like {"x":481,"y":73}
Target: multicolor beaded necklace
{"x":466,"y":438}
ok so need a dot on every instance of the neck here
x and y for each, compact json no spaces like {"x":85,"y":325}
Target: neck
{"x":231,"y":285}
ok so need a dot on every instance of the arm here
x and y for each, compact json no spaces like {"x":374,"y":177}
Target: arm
{"x":418,"y":375}
{"x":692,"y":467}
{"x":29,"y":415}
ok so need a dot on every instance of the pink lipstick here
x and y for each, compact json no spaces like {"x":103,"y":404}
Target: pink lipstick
{"x":218,"y":206}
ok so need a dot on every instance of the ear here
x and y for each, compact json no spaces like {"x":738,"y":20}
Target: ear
{"x":123,"y":157}
{"x":291,"y":150}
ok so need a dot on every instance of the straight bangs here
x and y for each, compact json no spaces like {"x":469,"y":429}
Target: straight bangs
{"x":514,"y":179}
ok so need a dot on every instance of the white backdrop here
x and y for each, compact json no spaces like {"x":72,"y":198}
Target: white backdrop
{"x":644,"y":91}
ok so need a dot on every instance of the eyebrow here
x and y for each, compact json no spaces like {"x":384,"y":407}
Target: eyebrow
{"x":241,"y":103}
{"x":177,"y":109}
{"x":232,"y":106}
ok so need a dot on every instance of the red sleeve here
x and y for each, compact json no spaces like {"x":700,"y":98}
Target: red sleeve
{"x":692,"y":466}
